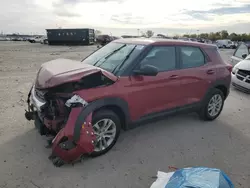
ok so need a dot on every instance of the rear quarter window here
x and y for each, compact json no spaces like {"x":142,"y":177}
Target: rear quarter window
{"x":214,"y":55}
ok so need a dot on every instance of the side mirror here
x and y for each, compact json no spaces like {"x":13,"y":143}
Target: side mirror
{"x":244,"y":56}
{"x":147,"y":70}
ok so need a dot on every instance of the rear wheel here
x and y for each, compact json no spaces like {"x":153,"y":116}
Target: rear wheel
{"x":212,"y":106}
{"x":107,"y":126}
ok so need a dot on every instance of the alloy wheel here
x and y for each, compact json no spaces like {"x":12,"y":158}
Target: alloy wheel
{"x":105,"y":131}
{"x":215,"y":105}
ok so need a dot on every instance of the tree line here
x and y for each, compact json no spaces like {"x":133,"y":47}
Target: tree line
{"x":221,"y":35}
{"x":211,"y":36}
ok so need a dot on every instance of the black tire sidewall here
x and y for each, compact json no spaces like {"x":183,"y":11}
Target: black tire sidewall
{"x":205,"y":115}
{"x":107,"y":114}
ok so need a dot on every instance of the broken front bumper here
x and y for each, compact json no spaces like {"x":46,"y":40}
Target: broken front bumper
{"x":65,"y":147}
{"x":75,"y":139}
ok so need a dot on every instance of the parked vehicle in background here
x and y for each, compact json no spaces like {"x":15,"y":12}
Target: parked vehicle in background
{"x":235,"y":44}
{"x":183,"y":38}
{"x":3,"y":38}
{"x":193,"y":39}
{"x":241,"y":52}
{"x":208,"y":41}
{"x":84,"y":105}
{"x":225,"y":43}
{"x":17,"y":39}
{"x":241,"y":70}
{"x":44,"y":40}
{"x":35,"y":39}
{"x":104,"y":39}
{"x":162,"y":36}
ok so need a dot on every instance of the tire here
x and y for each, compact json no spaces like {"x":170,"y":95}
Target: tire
{"x":204,"y":111}
{"x":99,"y":116}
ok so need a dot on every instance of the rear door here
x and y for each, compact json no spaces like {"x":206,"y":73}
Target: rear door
{"x":196,"y":74}
{"x":239,"y":52}
{"x":150,"y":94}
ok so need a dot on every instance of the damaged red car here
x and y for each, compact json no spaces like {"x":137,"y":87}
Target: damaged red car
{"x":82,"y":106}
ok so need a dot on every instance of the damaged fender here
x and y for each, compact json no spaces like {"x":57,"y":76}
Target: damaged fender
{"x":91,"y":107}
{"x":64,"y":148}
{"x":77,"y":137}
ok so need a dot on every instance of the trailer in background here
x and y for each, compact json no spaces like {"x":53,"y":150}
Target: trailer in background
{"x":70,"y":36}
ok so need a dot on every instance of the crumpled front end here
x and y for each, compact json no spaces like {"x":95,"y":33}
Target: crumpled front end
{"x":66,"y":149}
{"x":56,"y":117}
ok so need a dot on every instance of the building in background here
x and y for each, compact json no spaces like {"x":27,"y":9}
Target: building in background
{"x":82,"y":36}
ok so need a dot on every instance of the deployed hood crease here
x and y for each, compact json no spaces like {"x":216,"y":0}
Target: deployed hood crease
{"x":60,"y":71}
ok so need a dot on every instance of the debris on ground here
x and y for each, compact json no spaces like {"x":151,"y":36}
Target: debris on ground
{"x":193,"y":177}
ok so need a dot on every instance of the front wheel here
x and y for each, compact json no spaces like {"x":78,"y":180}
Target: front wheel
{"x":107,"y":126}
{"x":212,"y":106}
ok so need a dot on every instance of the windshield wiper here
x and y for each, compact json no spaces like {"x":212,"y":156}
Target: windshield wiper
{"x":127,"y":56}
{"x":109,"y":55}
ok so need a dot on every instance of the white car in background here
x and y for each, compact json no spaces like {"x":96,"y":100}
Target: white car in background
{"x":35,"y":39}
{"x":44,"y":40}
{"x":225,"y":43}
{"x":241,"y":70}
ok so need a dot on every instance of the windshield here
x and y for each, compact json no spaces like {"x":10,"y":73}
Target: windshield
{"x":114,"y":57}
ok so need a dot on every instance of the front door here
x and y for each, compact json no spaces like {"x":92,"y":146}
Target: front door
{"x":152,"y":94}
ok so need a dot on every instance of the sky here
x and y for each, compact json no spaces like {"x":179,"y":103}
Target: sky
{"x":120,"y":17}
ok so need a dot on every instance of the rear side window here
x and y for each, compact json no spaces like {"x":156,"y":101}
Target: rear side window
{"x":191,"y":57}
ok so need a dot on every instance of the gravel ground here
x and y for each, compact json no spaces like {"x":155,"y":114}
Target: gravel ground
{"x":180,"y":141}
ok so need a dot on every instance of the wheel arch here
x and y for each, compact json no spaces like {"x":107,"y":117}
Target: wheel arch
{"x":115,"y":109}
{"x":116,"y":104}
{"x":223,"y":88}
{"x":223,"y":85}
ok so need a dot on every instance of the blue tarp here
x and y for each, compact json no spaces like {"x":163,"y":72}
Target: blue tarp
{"x":199,"y":177}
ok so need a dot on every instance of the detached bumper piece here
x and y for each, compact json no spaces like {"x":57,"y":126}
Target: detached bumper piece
{"x":65,"y":149}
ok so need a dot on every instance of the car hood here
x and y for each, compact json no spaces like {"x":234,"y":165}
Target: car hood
{"x":60,"y":71}
{"x":244,"y":64}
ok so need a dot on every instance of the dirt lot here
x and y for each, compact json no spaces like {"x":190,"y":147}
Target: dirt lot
{"x":180,"y":141}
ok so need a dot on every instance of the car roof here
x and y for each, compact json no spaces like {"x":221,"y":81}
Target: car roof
{"x":161,"y":41}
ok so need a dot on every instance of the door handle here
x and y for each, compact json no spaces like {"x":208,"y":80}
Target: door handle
{"x":210,"y":72}
{"x":173,"y":77}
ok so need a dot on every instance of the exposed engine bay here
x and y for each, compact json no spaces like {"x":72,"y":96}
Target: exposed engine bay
{"x":56,"y":112}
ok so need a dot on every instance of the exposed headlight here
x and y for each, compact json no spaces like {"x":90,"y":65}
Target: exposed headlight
{"x":76,"y":101}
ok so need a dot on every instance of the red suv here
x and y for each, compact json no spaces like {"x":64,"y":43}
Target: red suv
{"x":84,"y":105}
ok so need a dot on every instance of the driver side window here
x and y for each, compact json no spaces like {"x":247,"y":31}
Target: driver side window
{"x":161,"y":57}
{"x":242,"y":49}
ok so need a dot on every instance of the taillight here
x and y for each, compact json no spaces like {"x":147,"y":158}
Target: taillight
{"x":229,"y":67}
